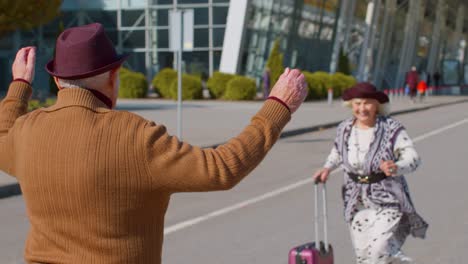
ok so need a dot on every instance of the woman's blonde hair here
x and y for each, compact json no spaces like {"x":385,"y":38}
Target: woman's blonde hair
{"x":384,"y":109}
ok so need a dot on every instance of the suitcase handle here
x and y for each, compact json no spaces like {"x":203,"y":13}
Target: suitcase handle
{"x":325,"y":216}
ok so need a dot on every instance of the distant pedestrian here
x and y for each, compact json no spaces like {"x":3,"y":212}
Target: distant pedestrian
{"x":436,"y":77}
{"x":412,"y":80}
{"x":266,"y":83}
{"x":422,"y":89}
{"x":429,"y":80}
{"x":375,"y":152}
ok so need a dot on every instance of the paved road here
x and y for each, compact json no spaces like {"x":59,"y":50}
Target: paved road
{"x":270,"y":211}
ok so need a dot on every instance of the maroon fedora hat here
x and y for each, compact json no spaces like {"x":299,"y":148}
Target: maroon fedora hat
{"x":364,"y":90}
{"x":82,"y":52}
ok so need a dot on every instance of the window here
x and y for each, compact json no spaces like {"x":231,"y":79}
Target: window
{"x":107,"y":18}
{"x":4,"y":78}
{"x":136,"y":62}
{"x":192,"y":1}
{"x":163,"y":17}
{"x":135,"y":39}
{"x":196,"y":62}
{"x":220,"y":15}
{"x":162,"y":2}
{"x":200,"y":16}
{"x":165,"y":59}
{"x":217,"y":59}
{"x":163,"y":38}
{"x":218,"y":37}
{"x":129,"y":17}
{"x":113,"y":36}
{"x":200,"y":37}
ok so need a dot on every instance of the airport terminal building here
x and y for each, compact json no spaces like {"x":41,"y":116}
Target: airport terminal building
{"x":381,"y":38}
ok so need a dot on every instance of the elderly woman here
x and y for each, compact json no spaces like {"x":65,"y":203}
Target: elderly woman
{"x":375,"y":152}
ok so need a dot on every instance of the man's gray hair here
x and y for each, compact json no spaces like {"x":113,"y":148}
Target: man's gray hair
{"x":90,"y":82}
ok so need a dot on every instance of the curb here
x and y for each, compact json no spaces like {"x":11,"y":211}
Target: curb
{"x":10,"y":190}
{"x":14,"y":189}
{"x":303,"y":130}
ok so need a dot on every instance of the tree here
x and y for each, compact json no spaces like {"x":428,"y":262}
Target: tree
{"x":343,"y":63}
{"x":24,"y":14}
{"x":275,"y":63}
{"x":53,"y":89}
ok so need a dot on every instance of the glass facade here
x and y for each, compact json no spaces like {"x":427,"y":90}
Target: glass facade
{"x":305,"y":29}
{"x":145,"y":37}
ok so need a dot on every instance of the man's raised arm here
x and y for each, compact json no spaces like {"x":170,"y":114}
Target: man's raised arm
{"x":15,"y":104}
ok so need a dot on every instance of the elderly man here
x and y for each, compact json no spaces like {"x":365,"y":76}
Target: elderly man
{"x":97,"y":182}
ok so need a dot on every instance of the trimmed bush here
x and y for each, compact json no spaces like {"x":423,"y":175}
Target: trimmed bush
{"x":350,"y":82}
{"x":217,"y":84}
{"x":343,"y":63}
{"x":132,"y":84}
{"x":163,"y":80}
{"x":36,"y":104}
{"x":191,"y":88}
{"x":318,"y":84}
{"x":123,"y":71}
{"x":275,"y":63}
{"x":341,"y":82}
{"x":240,"y":88}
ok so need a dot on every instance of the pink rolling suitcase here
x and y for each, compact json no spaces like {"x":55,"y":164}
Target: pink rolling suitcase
{"x":310,"y":253}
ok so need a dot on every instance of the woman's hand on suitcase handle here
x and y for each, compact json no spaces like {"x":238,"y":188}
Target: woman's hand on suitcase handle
{"x":321,"y":175}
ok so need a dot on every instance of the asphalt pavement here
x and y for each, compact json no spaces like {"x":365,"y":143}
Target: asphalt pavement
{"x":271,"y":210}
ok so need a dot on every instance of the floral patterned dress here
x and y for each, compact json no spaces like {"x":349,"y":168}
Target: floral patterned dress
{"x":380,"y":215}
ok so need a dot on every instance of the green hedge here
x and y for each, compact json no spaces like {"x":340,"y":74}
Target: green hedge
{"x":275,"y":63}
{"x":240,"y":88}
{"x":341,"y":82}
{"x":123,"y":71}
{"x":132,"y":84}
{"x":163,"y":80}
{"x":36,"y":104}
{"x":217,"y":84}
{"x":191,"y":88}
{"x":317,"y":83}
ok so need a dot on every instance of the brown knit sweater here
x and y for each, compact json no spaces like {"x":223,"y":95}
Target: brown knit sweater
{"x":97,"y":182}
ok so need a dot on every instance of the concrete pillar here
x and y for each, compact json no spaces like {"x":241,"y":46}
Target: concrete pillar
{"x":119,"y":25}
{"x":409,"y":41}
{"x":81,"y":17}
{"x":291,"y":40}
{"x":338,"y":35}
{"x":366,"y":49}
{"x":210,"y":38}
{"x":348,"y":23}
{"x":149,"y":71}
{"x":433,"y":57}
{"x":370,"y":51}
{"x":385,"y":36}
{"x":459,"y":50}
{"x":154,"y":41}
{"x":233,"y":36}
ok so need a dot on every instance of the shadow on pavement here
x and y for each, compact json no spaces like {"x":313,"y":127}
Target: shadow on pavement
{"x":10,"y":190}
{"x":139,"y":107}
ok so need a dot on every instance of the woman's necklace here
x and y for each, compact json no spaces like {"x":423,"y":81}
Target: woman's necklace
{"x":358,"y":149}
{"x":359,"y":164}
